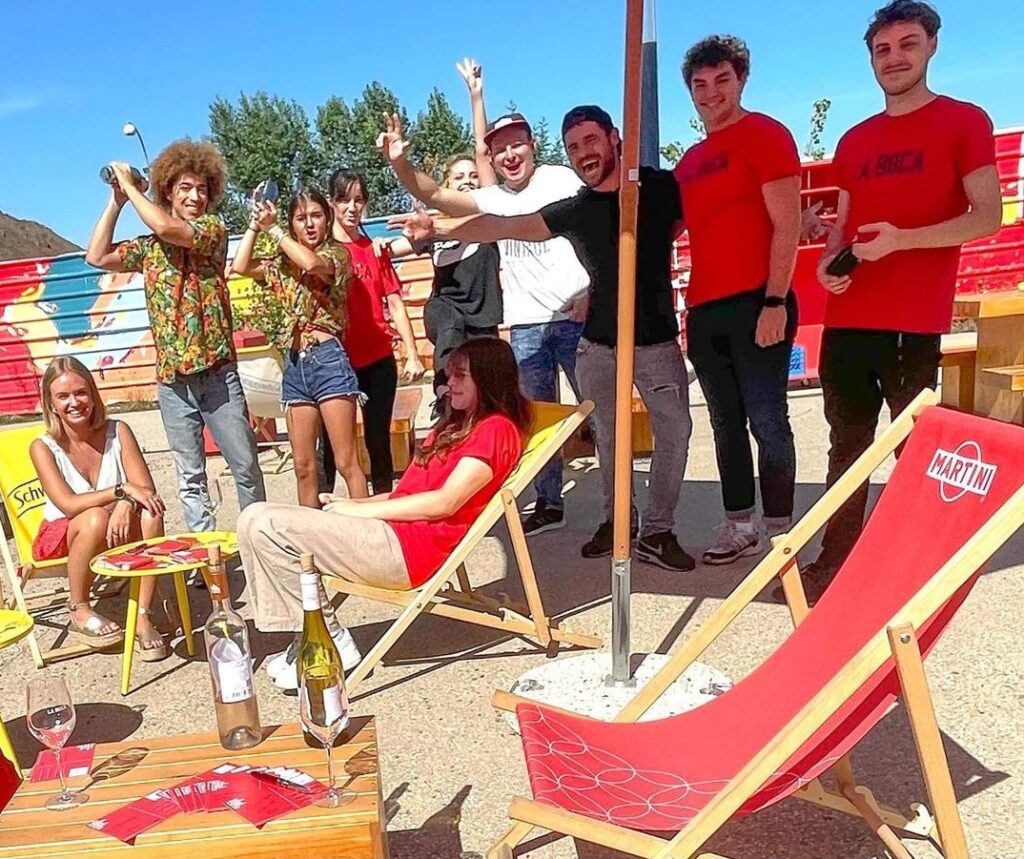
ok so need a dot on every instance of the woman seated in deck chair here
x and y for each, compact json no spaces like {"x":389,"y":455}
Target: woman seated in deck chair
{"x":99,"y":494}
{"x":398,"y":540}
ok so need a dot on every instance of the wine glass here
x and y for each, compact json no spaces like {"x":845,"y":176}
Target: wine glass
{"x":213,"y":498}
{"x":51,"y":719}
{"x":323,"y":708}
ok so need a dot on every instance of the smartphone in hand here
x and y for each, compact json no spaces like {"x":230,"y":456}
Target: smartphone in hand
{"x":843,"y":263}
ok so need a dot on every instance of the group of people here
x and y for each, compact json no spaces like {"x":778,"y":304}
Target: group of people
{"x":534,"y":248}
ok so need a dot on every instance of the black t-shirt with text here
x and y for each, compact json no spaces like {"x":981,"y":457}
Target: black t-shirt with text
{"x":590,"y":221}
{"x":466,"y":277}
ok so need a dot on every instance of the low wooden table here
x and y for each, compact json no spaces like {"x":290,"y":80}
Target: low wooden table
{"x":353,"y":831}
{"x":999,"y":359}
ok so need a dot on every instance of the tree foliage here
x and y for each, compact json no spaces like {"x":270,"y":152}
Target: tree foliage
{"x":819,"y":116}
{"x":439,"y":134}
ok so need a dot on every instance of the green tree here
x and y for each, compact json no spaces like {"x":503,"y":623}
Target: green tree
{"x":549,"y":148}
{"x":261,"y":137}
{"x":819,"y":116}
{"x":440,"y":133}
{"x":348,"y":138}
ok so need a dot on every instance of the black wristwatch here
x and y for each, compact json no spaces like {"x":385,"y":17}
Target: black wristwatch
{"x":119,"y":492}
{"x":774,"y":301}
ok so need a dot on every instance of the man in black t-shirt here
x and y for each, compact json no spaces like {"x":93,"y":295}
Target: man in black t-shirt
{"x":590,"y":221}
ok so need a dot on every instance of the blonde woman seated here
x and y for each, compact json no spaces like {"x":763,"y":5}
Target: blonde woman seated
{"x":400,"y":539}
{"x":99,"y":494}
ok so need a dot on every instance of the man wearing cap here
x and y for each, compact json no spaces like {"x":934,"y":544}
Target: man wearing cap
{"x":590,"y":221}
{"x":543,"y":284}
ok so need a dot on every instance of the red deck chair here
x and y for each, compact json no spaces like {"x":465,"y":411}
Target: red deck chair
{"x":954,"y":497}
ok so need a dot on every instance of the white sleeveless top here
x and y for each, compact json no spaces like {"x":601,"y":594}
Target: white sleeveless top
{"x":110,"y":474}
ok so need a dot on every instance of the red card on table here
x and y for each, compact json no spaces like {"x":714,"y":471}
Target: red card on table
{"x":130,"y":821}
{"x":127,"y":561}
{"x":75,"y":761}
{"x":168,"y":547}
{"x":259,"y":802}
{"x":187,"y":556}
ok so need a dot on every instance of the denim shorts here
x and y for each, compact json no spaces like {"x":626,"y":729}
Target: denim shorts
{"x":318,"y":373}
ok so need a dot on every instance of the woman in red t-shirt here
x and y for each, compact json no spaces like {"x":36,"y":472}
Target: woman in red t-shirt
{"x":369,"y":338}
{"x":400,"y":539}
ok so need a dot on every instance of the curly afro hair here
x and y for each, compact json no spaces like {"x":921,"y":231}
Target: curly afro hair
{"x":199,"y":157}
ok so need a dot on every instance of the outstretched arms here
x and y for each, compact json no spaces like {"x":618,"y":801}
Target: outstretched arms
{"x":473,"y":75}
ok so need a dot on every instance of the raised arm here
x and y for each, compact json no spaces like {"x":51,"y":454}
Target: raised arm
{"x":393,"y":147}
{"x":419,"y":226}
{"x":164,"y":225}
{"x":243,"y":263}
{"x":473,"y":74}
{"x":101,"y":251}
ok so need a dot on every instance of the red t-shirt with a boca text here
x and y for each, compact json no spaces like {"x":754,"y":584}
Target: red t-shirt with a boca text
{"x":720,"y":180}
{"x":426,"y":545}
{"x":368,"y":336}
{"x":908,"y":171}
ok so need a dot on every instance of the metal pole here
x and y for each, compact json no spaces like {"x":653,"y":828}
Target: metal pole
{"x":650,"y":150}
{"x":628,"y":196}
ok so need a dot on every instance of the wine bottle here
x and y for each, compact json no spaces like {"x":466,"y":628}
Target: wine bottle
{"x":230,"y":659}
{"x":319,"y":665}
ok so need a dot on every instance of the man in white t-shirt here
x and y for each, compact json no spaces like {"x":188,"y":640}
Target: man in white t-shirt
{"x":544,"y":286}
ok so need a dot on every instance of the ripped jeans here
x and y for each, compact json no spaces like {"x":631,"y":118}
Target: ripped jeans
{"x":659,"y":373}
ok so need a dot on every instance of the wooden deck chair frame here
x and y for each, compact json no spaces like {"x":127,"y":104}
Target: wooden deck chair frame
{"x":20,"y":573}
{"x":942,"y":825}
{"x":438,"y":596}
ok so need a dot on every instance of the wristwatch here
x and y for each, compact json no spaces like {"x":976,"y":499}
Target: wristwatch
{"x":119,"y":492}
{"x":774,"y":301}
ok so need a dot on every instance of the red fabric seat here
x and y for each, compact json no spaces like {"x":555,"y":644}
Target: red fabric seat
{"x":955,"y":472}
{"x":9,"y":781}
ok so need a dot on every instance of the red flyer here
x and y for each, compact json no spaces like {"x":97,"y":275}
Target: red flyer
{"x":129,"y":821}
{"x":75,"y":761}
{"x":169,"y":547}
{"x":128,"y":561}
{"x":259,"y":802}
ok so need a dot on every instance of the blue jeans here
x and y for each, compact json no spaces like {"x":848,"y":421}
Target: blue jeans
{"x":540,"y":350}
{"x":318,"y":373}
{"x":210,"y":398}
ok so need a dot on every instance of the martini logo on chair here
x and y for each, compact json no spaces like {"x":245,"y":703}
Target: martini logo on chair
{"x":961,"y":471}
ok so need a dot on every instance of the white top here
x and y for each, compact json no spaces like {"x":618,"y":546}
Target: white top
{"x":110,"y":474}
{"x":538,"y":279}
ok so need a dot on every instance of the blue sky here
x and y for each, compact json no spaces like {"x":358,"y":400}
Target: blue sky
{"x":72,"y":76}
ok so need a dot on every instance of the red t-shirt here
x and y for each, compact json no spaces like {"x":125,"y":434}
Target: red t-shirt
{"x":427,"y":545}
{"x":369,"y":337}
{"x":720,"y":181}
{"x":909,"y":171}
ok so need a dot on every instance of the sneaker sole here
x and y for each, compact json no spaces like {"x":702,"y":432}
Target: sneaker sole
{"x":543,"y":529}
{"x":658,"y":561}
{"x":756,"y":549}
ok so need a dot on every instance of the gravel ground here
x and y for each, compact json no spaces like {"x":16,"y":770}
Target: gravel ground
{"x":451,"y":765}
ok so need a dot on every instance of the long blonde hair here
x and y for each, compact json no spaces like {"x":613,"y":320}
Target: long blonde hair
{"x":58,"y":367}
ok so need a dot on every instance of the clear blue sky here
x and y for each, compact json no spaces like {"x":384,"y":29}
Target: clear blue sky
{"x":72,"y":75}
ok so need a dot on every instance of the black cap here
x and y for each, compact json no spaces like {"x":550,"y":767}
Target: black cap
{"x":587,"y":113}
{"x":507,"y":121}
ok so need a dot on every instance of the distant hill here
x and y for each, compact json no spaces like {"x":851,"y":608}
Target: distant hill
{"x":25,"y":239}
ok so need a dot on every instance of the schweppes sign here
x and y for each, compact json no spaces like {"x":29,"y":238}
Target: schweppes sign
{"x":961,"y":471}
{"x":26,"y":496}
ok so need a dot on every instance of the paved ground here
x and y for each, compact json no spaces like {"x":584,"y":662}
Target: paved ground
{"x":451,"y":765}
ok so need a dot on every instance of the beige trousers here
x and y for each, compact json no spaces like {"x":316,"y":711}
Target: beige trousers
{"x":271,"y":537}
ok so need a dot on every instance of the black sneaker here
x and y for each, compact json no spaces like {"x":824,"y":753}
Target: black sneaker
{"x":601,"y":544}
{"x":663,"y":549}
{"x":543,"y":518}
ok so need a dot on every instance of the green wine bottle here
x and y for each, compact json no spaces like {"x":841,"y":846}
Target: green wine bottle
{"x":321,"y":676}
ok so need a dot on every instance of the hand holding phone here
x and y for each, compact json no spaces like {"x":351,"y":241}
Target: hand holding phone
{"x":843,"y":263}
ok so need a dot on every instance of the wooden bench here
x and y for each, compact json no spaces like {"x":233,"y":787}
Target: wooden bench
{"x":959,"y":355}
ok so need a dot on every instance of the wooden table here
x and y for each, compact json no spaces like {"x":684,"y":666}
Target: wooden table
{"x":999,"y":359}
{"x":354,"y":831}
{"x":164,"y":565}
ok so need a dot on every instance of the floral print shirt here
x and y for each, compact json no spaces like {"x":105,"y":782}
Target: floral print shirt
{"x":315,"y":303}
{"x":186,"y":296}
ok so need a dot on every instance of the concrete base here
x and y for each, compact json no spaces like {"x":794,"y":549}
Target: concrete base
{"x":577,"y":683}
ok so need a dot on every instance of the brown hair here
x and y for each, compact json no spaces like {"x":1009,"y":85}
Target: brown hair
{"x":715,"y":50}
{"x":457,"y":159}
{"x":187,"y":155}
{"x":341,"y":183}
{"x":310,"y":195}
{"x":58,"y":367}
{"x":900,"y":12}
{"x":492,"y":366}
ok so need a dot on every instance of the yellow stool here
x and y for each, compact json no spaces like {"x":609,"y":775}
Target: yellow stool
{"x":164,"y":565}
{"x":14,"y":626}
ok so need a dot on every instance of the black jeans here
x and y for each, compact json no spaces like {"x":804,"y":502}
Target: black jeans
{"x":379,"y":381}
{"x":859,"y":370}
{"x":445,"y":326}
{"x":745,"y":384}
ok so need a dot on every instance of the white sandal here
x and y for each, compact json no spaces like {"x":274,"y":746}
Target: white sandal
{"x":89,"y":633}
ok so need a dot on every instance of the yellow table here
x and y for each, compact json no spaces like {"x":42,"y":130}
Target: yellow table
{"x":14,"y":626}
{"x":999,"y":359}
{"x":163,"y":565}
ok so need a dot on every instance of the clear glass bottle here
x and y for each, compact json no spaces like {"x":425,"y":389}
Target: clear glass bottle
{"x":230,"y":659}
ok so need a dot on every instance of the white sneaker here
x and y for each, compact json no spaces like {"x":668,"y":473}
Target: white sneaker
{"x":288,"y":677}
{"x":735,"y":540}
{"x":279,"y":661}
